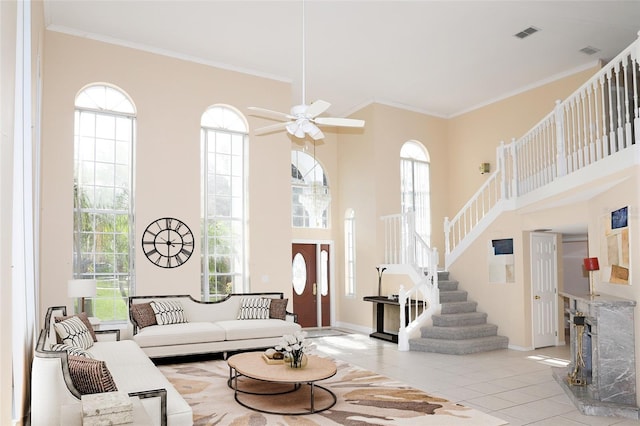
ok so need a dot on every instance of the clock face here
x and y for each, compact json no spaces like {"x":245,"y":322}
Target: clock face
{"x":167,"y":242}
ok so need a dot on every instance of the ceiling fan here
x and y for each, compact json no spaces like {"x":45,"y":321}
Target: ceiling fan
{"x":304,"y":119}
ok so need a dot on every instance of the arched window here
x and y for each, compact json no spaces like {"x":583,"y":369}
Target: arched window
{"x":223,"y":159}
{"x":104,"y":137}
{"x":416,"y":186}
{"x":350,"y":253}
{"x":310,"y":193}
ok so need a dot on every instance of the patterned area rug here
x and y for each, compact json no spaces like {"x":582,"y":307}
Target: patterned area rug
{"x":363,"y":398}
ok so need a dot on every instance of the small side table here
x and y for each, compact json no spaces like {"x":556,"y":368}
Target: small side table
{"x":71,"y":414}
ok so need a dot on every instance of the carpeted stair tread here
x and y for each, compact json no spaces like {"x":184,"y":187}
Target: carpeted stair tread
{"x":465,"y":318}
{"x":447,"y":285}
{"x":459,"y":347}
{"x":460,"y":333}
{"x":458,"y":307}
{"x":453,"y":296}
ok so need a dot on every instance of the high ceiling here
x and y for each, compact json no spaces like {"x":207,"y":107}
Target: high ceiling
{"x":437,"y":57}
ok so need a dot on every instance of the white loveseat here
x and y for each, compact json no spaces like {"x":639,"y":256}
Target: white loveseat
{"x":52,"y":386}
{"x":212,"y":327}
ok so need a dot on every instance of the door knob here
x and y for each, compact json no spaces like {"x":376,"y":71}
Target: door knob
{"x":537,"y":297}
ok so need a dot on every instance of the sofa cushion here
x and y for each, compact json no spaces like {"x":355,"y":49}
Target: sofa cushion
{"x":85,"y":319}
{"x":71,"y":350}
{"x":254,"y":308}
{"x":90,"y":375}
{"x":179,"y":334}
{"x":133,"y":371}
{"x":72,"y":331}
{"x":168,"y":312}
{"x":278,"y":309}
{"x":257,"y":329}
{"x":143,"y":314}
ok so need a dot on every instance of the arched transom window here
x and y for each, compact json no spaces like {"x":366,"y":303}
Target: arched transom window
{"x":311,"y":197}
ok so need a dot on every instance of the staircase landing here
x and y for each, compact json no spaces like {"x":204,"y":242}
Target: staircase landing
{"x":459,"y":329}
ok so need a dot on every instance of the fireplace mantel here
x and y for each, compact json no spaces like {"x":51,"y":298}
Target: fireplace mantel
{"x":608,"y":350}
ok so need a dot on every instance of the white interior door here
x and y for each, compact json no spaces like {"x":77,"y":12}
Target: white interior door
{"x":544,"y":289}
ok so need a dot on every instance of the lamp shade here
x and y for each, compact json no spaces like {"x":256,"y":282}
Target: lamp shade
{"x":81,"y":288}
{"x":591,"y":264}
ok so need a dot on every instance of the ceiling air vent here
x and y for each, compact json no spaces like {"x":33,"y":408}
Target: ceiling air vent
{"x":589,"y":50}
{"x":527,"y":32}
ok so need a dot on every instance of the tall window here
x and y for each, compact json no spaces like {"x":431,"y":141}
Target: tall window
{"x":103,"y":219}
{"x":223,"y":155}
{"x":350,"y":253}
{"x":416,"y":191}
{"x":310,"y":193}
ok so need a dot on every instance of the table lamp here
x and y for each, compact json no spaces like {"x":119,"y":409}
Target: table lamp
{"x":591,"y":264}
{"x":79,"y":288}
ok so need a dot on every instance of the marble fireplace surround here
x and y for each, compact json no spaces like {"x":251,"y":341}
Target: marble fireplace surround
{"x":609,"y":355}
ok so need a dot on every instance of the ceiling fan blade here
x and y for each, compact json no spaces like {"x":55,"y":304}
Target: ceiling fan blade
{"x":317,"y":135}
{"x":276,"y":115}
{"x":271,"y":128}
{"x":339,"y":122}
{"x":317,"y":108}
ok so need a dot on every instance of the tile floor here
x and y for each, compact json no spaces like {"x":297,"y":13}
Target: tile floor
{"x":512,"y":385}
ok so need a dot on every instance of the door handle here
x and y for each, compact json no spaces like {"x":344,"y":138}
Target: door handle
{"x":315,"y":289}
{"x":537,"y":297}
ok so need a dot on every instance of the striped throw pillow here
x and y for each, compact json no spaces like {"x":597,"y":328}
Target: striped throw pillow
{"x":168,"y":312}
{"x":254,"y":308}
{"x":73,"y":332}
{"x":71,"y":350}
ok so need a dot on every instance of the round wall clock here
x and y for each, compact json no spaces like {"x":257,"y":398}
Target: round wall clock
{"x":167,"y":242}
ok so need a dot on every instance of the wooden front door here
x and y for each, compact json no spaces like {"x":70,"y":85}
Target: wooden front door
{"x":305,"y":288}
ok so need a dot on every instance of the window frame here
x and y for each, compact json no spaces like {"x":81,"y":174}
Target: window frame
{"x":94,"y":215}
{"x":223,"y":121}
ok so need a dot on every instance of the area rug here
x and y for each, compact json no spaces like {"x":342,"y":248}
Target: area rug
{"x":363,"y":398}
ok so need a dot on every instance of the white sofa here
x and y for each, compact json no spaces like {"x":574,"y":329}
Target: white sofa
{"x":131,"y":369}
{"x":210,"y":327}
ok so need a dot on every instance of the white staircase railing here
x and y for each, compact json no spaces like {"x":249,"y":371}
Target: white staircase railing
{"x":407,"y":252}
{"x":598,"y":120}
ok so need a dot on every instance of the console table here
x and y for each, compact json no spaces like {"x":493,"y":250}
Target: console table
{"x":380,"y":302}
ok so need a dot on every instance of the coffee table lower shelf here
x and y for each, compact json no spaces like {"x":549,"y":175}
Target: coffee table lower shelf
{"x":311,"y":388}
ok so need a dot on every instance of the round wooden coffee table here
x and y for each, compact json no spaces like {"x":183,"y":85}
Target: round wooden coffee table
{"x":279,"y":379}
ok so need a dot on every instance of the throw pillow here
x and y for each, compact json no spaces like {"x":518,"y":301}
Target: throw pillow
{"x":72,"y":331}
{"x":143,"y":314}
{"x":168,"y":312}
{"x":254,"y":308}
{"x":71,"y":350}
{"x":85,"y":319}
{"x":90,"y":375}
{"x":278,"y":309}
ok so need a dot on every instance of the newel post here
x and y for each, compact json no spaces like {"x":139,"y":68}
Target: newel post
{"x":403,"y":339}
{"x":514,"y":168}
{"x":561,"y":164}
{"x":503,"y":170}
{"x":447,"y":247}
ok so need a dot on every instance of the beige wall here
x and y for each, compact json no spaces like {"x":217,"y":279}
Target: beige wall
{"x":473,"y":137}
{"x":369,"y":170}
{"x":362,"y":167}
{"x":170,"y":95}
